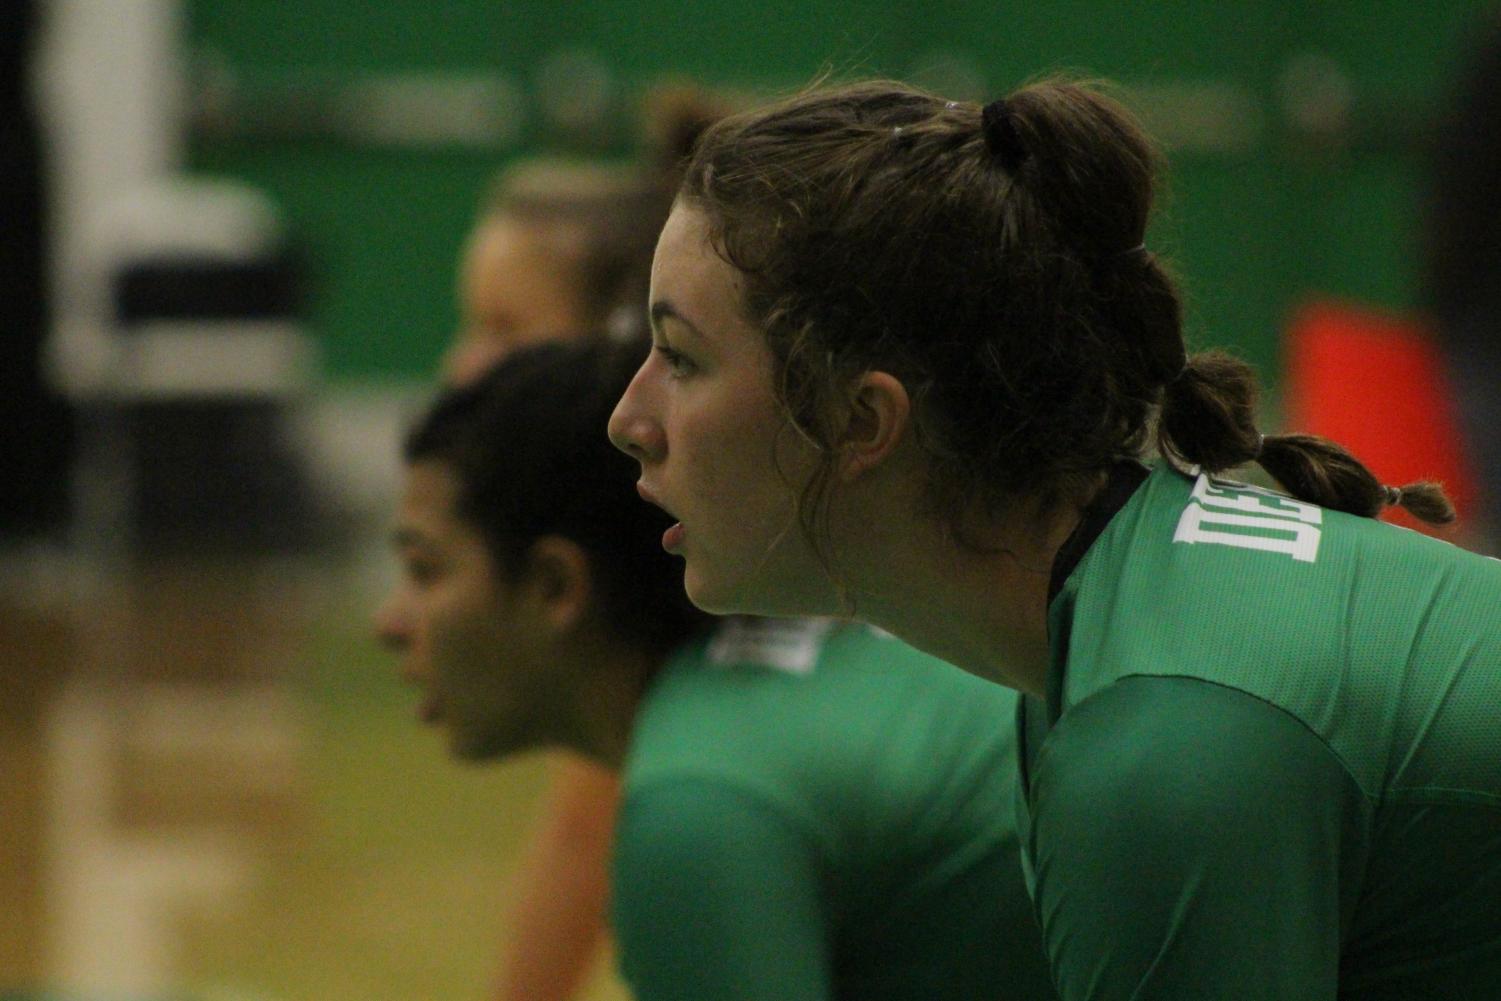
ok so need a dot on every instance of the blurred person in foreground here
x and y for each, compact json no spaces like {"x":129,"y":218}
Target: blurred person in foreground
{"x":810,"y":809}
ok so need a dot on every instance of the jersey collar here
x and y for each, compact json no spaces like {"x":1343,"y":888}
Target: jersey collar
{"x":1120,"y":483}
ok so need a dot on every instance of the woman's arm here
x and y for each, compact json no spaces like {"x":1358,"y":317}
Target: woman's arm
{"x":562,"y":886}
{"x":1192,"y":841}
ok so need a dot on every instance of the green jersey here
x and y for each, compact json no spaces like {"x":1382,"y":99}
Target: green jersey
{"x":815,"y":811}
{"x":1269,"y":761}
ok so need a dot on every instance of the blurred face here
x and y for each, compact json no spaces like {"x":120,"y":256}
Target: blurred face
{"x":715,"y":449}
{"x":518,"y":284}
{"x":475,"y":643}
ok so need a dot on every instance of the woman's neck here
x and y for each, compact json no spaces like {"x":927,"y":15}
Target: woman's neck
{"x":614,"y":679}
{"x":981,"y":607}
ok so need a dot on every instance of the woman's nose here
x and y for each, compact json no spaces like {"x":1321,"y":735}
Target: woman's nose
{"x":392,"y":623}
{"x":633,"y":430}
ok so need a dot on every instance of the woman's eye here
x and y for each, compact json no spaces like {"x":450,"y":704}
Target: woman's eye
{"x":421,"y":572}
{"x":676,"y":361}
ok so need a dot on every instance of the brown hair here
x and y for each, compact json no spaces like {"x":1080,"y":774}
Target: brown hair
{"x":991,"y":259}
{"x":607,"y":216}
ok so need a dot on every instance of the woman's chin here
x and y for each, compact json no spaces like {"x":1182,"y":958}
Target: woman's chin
{"x":703,"y":597}
{"x":719,"y":597}
{"x":471,"y":744}
{"x":709,"y":593}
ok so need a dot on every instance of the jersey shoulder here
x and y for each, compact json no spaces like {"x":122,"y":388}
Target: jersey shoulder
{"x":1382,"y":641}
{"x":1122,"y":784}
{"x":829,"y":722}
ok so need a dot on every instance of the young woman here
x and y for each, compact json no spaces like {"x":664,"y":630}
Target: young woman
{"x":809,"y":810}
{"x":909,"y":355}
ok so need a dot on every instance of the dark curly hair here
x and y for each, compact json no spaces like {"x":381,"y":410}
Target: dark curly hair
{"x":1001,"y":276}
{"x":527,"y":445}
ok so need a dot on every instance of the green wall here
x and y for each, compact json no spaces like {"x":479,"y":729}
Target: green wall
{"x":1257,"y":217}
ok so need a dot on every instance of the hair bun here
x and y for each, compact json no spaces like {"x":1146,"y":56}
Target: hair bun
{"x":998,"y":123}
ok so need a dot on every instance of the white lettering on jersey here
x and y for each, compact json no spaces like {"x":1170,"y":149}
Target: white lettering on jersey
{"x":1254,"y":500}
{"x":1226,"y":513}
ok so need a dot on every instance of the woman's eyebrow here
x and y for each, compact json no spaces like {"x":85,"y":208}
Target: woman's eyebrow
{"x":404,"y":537}
{"x":662,"y":310}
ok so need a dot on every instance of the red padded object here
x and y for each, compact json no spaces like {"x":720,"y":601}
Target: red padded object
{"x":1375,"y":383}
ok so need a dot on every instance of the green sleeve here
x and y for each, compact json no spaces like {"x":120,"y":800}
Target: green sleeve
{"x":717,"y":895}
{"x":1191,"y":841}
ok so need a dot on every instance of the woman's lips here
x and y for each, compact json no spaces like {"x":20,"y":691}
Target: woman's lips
{"x":672,"y":539}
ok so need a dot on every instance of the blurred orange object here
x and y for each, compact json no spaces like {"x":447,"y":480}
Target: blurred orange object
{"x":1375,"y":383}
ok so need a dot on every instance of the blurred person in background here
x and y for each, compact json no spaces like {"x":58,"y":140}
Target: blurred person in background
{"x":1462,"y":280}
{"x":555,"y":254}
{"x":811,"y":809}
{"x":36,"y":431}
{"x":561,"y":250}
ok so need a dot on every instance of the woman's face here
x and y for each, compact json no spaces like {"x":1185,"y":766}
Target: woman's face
{"x":477,"y":644}
{"x":518,"y":284}
{"x":715,"y":447}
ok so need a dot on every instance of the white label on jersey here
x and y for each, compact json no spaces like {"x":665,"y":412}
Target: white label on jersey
{"x":790,"y":645}
{"x":1225,"y":513}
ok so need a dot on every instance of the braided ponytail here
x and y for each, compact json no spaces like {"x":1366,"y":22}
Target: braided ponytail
{"x":1324,"y":472}
{"x":1208,"y":419}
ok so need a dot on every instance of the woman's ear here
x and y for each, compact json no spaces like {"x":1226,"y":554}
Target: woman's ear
{"x":879,"y":412}
{"x":560,"y":581}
